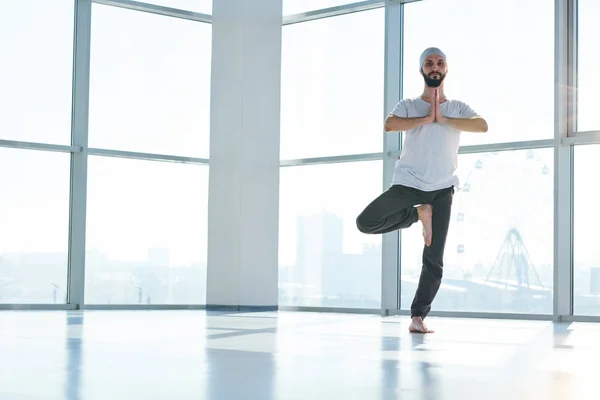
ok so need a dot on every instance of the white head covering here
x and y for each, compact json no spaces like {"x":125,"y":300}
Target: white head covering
{"x":430,"y":52}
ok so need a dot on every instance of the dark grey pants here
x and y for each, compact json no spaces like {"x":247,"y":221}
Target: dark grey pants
{"x":395,"y":209}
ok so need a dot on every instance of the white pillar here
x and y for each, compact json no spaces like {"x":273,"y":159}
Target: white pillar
{"x":243,"y":207}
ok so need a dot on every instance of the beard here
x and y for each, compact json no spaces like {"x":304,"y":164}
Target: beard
{"x":434,"y":79}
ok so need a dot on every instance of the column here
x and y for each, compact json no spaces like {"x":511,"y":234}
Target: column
{"x":243,"y":207}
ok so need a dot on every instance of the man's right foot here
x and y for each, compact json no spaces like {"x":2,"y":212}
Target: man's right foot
{"x":425,"y":213}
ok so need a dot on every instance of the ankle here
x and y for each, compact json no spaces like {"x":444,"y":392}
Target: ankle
{"x":424,"y":211}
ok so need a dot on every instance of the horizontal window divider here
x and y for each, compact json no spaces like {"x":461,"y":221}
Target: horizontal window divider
{"x":481,"y":148}
{"x":339,"y":310}
{"x":579,"y":318}
{"x":40,"y":146}
{"x":156,"y":9}
{"x":339,"y":10}
{"x":149,"y":307}
{"x":147,"y":156}
{"x":587,"y":137}
{"x":36,"y":307}
{"x":477,"y":315}
{"x":508,"y":146}
{"x":332,"y":11}
{"x":332,"y":159}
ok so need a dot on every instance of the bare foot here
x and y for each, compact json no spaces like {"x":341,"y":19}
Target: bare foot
{"x":425,"y":213}
{"x":418,"y":326}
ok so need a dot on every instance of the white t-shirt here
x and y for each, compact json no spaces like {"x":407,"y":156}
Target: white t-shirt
{"x":429,"y":156}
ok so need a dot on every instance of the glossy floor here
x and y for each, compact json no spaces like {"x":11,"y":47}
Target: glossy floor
{"x":282,"y":356}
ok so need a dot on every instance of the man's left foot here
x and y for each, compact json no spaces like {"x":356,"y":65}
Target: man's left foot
{"x":418,"y":326}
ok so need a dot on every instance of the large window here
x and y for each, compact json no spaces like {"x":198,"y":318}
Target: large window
{"x":34,"y":226}
{"x":499,"y":252}
{"x":332,"y":86}
{"x":147,"y":219}
{"x":149,"y":83}
{"x":586,"y":252}
{"x":36,"y":44}
{"x":492,"y":64}
{"x":146,"y":232}
{"x":588,"y":82}
{"x":332,"y":105}
{"x":324,"y":260}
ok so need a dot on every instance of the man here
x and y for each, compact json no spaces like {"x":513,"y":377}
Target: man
{"x":424,"y":177}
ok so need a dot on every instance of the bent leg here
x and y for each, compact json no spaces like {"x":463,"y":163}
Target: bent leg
{"x":392,"y":210}
{"x":433,"y":256}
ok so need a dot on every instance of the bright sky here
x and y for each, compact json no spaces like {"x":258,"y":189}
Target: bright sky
{"x":150,"y":92}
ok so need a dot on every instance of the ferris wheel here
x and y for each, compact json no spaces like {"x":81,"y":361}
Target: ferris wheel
{"x":503,"y":205}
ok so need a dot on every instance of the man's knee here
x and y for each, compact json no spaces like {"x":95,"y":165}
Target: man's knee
{"x":436,"y":270}
{"x":433,"y":264}
{"x":362,"y":224}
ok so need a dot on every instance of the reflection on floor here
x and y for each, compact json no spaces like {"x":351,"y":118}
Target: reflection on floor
{"x":282,"y":356}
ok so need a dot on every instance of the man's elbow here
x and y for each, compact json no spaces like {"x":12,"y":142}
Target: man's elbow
{"x":483,"y":126}
{"x":388,"y":125}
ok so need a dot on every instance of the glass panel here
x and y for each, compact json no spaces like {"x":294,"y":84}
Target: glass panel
{"x":146,"y":232}
{"x":302,"y":6}
{"x":588,"y":60}
{"x":36,"y":43}
{"x":150,"y":83}
{"x":324,"y":261}
{"x":586,"y":252}
{"x":491,"y":63}
{"x":34,"y":226}
{"x":499,"y":251}
{"x":199,"y":6}
{"x":332,"y":86}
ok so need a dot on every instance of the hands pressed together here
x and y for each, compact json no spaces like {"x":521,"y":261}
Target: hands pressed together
{"x":435,"y":113}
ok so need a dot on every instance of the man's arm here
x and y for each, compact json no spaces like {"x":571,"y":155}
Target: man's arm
{"x":398,"y":124}
{"x":475,"y":124}
{"x":394,"y":123}
{"x":470,"y":122}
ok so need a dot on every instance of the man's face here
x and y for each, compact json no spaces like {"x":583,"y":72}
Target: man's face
{"x":434,"y":70}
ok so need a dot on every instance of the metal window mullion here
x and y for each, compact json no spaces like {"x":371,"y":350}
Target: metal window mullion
{"x":576,"y":138}
{"x":164,"y":307}
{"x":146,"y":156}
{"x":35,"y":306}
{"x":156,"y":9}
{"x":333,"y":11}
{"x":79,"y":137}
{"x":390,"y":251}
{"x":563,"y":162}
{"x":481,"y":315}
{"x":506,"y":146}
{"x":573,"y":52}
{"x":336,"y":11}
{"x":15,"y":144}
{"x":331,"y":159}
{"x":392,"y":154}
